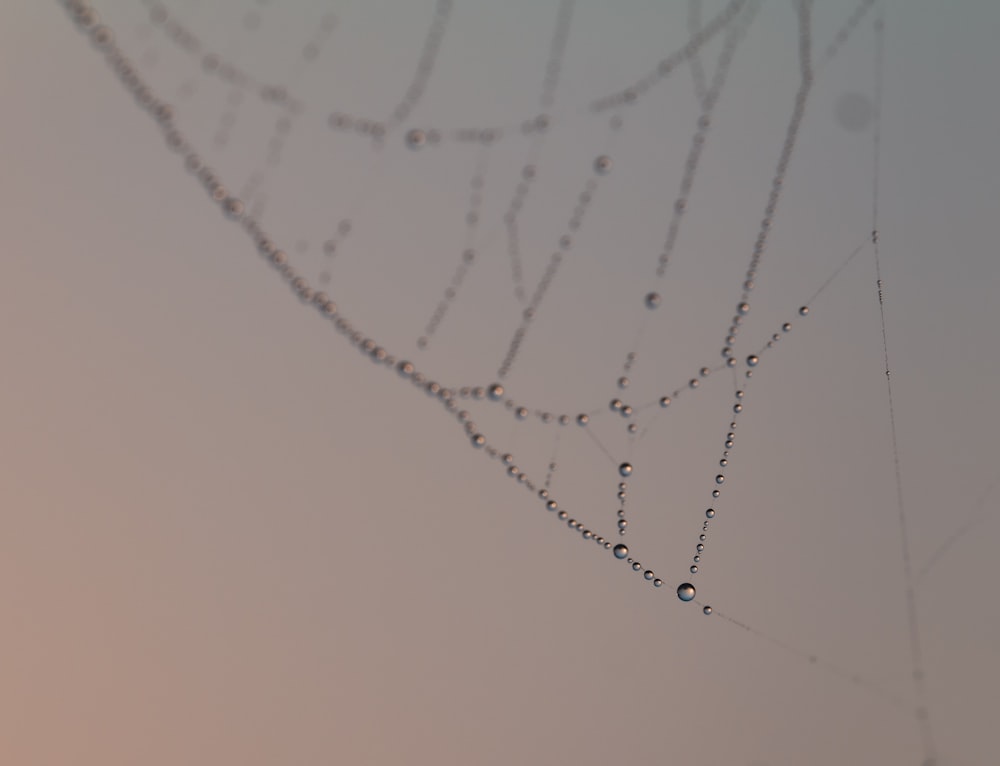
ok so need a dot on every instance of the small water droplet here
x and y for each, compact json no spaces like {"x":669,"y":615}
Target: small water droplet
{"x":621,"y":551}
{"x":710,"y":513}
{"x":623,"y":382}
{"x":652,"y":300}
{"x":657,"y":582}
{"x":496,"y":392}
{"x":694,"y":569}
{"x":803,"y":311}
{"x":664,"y":401}
{"x":602,"y":165}
{"x":416,"y":138}
{"x":752,"y":360}
{"x":685,"y":591}
{"x":719,"y":479}
{"x":743,"y":309}
{"x":625,"y":469}
{"x":706,"y":610}
{"x":582,"y":419}
{"x":648,"y":574}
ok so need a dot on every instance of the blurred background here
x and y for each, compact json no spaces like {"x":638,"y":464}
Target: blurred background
{"x":228,"y":537}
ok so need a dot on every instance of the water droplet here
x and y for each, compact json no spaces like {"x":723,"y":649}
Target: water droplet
{"x":636,"y":566}
{"x":582,"y":419}
{"x":478,"y":440}
{"x":615,"y":405}
{"x":602,"y":164}
{"x":786,"y":326}
{"x":621,"y":551}
{"x":694,"y":569}
{"x":625,"y":469}
{"x":752,"y":360}
{"x":706,"y":610}
{"x":657,"y":582}
{"x":416,"y":138}
{"x":685,"y":591}
{"x":522,"y":413}
{"x":652,"y":300}
{"x":664,"y":401}
{"x":803,"y":311}
{"x":496,"y":391}
{"x":710,"y":513}
{"x":623,"y":382}
{"x":743,"y":309}
{"x":693,"y":383}
{"x":719,"y":479}
{"x":648,"y":574}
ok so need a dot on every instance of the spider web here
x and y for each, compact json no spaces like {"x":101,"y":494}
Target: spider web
{"x":625,"y":261}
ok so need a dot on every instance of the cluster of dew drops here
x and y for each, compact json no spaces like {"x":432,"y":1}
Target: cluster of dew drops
{"x":416,"y":139}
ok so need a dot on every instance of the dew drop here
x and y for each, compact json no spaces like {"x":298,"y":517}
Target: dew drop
{"x":719,"y":479}
{"x":652,"y":300}
{"x":706,"y":610}
{"x":620,"y":551}
{"x":602,"y":165}
{"x":623,"y":382}
{"x":648,"y":574}
{"x":803,"y":311}
{"x":664,"y":401}
{"x":710,"y":513}
{"x":657,"y":582}
{"x":495,"y":392}
{"x":685,"y":591}
{"x":752,"y":360}
{"x":416,"y":138}
{"x":582,"y":419}
{"x":625,"y":469}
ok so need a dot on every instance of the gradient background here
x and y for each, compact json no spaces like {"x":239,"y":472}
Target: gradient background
{"x":226,"y":538}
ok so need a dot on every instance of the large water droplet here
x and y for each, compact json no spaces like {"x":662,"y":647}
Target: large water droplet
{"x":625,"y":469}
{"x":621,"y":551}
{"x":752,"y":360}
{"x":685,"y":591}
